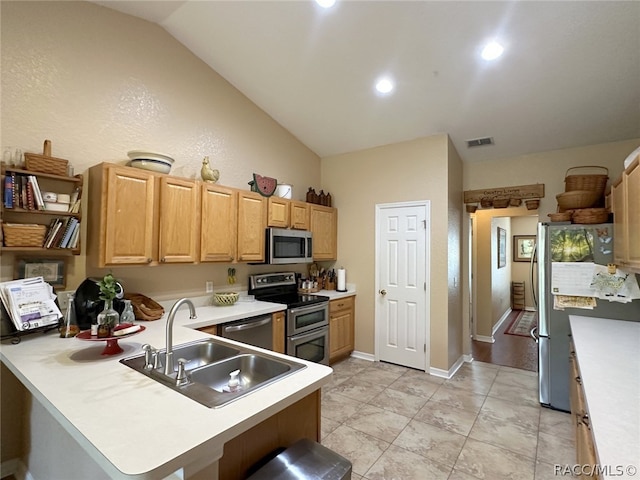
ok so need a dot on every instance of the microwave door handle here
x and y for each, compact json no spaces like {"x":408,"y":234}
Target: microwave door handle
{"x":316,"y":306}
{"x":309,"y":252}
{"x":247,"y":326}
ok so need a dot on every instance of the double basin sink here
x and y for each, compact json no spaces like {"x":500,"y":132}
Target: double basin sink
{"x":208,"y":366}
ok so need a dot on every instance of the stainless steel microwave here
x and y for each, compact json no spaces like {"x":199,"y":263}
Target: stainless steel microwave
{"x":288,"y":246}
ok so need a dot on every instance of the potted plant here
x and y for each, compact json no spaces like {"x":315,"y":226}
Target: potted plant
{"x":108,"y":318}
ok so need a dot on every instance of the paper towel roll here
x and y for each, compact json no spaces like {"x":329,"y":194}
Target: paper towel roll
{"x":342,"y":280}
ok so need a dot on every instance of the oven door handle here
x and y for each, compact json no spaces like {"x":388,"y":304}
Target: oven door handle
{"x":247,"y":326}
{"x":309,"y":308}
{"x":320,"y":331}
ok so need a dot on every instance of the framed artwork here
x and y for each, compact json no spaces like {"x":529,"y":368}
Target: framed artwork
{"x":523,"y":247}
{"x":502,"y":247}
{"x":53,"y":270}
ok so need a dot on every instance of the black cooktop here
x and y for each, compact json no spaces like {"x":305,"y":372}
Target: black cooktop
{"x":293,"y":299}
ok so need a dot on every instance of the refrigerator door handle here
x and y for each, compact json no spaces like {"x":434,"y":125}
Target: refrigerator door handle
{"x":532,"y":274}
{"x":533,"y":332}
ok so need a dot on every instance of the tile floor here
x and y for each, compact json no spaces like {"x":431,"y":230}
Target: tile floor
{"x":398,"y":423}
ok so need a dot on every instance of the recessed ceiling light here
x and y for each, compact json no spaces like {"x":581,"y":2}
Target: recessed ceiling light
{"x":384,"y":85}
{"x":326,"y":3}
{"x":492,"y":50}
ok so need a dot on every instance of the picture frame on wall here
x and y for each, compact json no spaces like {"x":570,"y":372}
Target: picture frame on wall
{"x":523,"y":247}
{"x":502,"y":247}
{"x":52,"y":270}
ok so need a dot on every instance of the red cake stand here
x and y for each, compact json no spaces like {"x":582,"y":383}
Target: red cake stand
{"x":112,"y":347}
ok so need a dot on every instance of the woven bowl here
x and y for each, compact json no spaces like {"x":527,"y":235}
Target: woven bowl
{"x":577,"y":199}
{"x":225,"y":299}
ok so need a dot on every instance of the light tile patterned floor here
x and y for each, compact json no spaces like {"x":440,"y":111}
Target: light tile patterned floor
{"x":484,"y":423}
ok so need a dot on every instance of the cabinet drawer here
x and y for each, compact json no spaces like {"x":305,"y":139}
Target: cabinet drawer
{"x":341,"y":304}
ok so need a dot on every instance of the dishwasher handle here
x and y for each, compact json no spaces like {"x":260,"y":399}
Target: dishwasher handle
{"x":247,"y":326}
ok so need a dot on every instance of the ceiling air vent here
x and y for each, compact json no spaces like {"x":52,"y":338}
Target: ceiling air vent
{"x":478,"y":142}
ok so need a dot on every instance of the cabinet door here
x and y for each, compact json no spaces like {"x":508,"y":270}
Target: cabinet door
{"x":252,"y":222}
{"x":128,"y":216}
{"x":178,"y":226}
{"x":341,"y":328}
{"x":278,"y":212}
{"x":633,"y":214}
{"x":619,"y":221}
{"x":324,"y":226}
{"x":278,"y":332}
{"x":299,"y":212}
{"x":218,"y":224}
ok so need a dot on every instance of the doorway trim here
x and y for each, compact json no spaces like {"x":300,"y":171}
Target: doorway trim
{"x":426,"y":204}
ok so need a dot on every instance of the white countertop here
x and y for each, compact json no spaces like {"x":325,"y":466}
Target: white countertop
{"x":93,"y":396}
{"x":608,"y":356}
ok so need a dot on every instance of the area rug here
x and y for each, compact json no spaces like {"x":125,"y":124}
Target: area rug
{"x":522,"y":324}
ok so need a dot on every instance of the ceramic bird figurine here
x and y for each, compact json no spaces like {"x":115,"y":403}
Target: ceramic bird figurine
{"x":208,"y":174}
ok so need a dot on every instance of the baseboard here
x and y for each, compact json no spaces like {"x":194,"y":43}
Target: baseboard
{"x":438,"y":372}
{"x":505,"y":315}
{"x":484,"y":338}
{"x":363,"y":356}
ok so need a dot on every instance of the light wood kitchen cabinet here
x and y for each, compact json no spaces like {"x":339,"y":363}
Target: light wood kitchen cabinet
{"x":299,"y":215}
{"x":137,"y":217}
{"x":178,"y":216}
{"x":625,"y":204}
{"x":341,"y":328}
{"x":279,"y":210}
{"x":121,"y":215}
{"x":585,"y":451}
{"x":211,"y":329}
{"x":324,"y":227}
{"x":218,"y":224}
{"x":232,"y":225}
{"x":252,"y":223}
{"x":283,"y":213}
{"x":278,"y":329}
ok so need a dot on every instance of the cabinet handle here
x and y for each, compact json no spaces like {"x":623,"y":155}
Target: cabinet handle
{"x":585,"y":420}
{"x":579,"y":380}
{"x":148,"y":260}
{"x":163,"y":259}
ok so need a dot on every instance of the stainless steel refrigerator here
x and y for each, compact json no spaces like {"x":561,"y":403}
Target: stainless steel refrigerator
{"x":560,"y":242}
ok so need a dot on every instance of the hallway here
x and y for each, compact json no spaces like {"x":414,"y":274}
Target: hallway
{"x":508,"y":350}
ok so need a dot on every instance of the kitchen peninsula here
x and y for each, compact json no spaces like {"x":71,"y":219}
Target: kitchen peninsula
{"x":130,"y":426}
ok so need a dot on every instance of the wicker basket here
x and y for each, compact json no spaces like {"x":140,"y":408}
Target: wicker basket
{"x":23,"y":235}
{"x":144,"y":307}
{"x":43,"y":164}
{"x":501,"y":202}
{"x":577,"y":199}
{"x":590,"y":215}
{"x":532,"y":204}
{"x":561,"y":216}
{"x":591,"y":182}
{"x":486,"y":202}
{"x":225,"y":299}
{"x":515,"y":202}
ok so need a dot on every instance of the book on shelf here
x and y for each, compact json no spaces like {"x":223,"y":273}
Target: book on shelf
{"x":73,"y":241}
{"x":54,"y":226}
{"x":68,"y":232}
{"x":37,"y":193}
{"x":8,"y":191}
{"x":31,"y":203}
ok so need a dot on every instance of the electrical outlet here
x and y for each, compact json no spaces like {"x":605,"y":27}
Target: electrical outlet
{"x":63,"y":298}
{"x":209,"y":287}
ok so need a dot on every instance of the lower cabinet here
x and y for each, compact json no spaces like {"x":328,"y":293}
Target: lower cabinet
{"x":585,"y":451}
{"x":242,"y":453}
{"x":278,"y":326}
{"x":341,"y":328}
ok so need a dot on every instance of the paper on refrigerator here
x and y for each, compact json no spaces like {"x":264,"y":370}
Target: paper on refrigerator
{"x":573,"y":279}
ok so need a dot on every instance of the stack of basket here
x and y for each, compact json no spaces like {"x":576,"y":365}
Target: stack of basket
{"x":583,"y":196}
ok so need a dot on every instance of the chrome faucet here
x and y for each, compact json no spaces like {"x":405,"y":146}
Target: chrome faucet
{"x":168,"y":364}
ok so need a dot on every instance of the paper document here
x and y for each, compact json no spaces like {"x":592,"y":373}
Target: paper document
{"x":30,"y":303}
{"x":573,"y":278}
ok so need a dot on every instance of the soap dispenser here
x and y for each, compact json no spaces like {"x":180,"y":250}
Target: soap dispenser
{"x":234,"y":381}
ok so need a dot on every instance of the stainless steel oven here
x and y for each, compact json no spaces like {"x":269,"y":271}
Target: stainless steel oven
{"x":307,"y":326}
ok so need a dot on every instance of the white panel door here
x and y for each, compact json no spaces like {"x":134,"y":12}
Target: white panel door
{"x":402,"y":290}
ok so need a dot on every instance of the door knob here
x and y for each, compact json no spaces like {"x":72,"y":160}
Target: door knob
{"x":382,"y":292}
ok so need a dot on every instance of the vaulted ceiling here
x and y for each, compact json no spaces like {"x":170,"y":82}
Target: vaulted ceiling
{"x":569,"y":75}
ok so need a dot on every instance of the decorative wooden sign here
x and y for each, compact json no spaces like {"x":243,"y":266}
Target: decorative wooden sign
{"x":521,"y":191}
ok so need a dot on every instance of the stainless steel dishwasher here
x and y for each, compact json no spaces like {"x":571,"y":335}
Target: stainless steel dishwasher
{"x":256,"y":331}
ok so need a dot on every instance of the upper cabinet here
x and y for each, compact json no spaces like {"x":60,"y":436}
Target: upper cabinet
{"x":324,"y":227}
{"x":138,"y":217}
{"x":284,"y":213}
{"x":232,"y":226}
{"x":625,"y":204}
